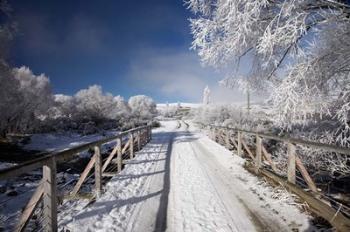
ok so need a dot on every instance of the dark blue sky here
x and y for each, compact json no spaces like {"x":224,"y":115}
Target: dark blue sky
{"x":127,"y":47}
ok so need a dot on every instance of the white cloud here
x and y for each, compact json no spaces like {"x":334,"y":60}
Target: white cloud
{"x":178,"y":75}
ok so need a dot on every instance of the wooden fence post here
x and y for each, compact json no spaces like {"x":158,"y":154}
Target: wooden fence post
{"x":214,"y":135}
{"x":147,"y":134}
{"x":291,"y":162}
{"x":150,"y":133}
{"x":50,"y":196}
{"x":258,"y":156}
{"x":98,"y":171}
{"x":119,"y":155}
{"x":228,"y":145}
{"x":239,"y":141}
{"x":144,"y":136}
{"x":138,"y":140}
{"x":131,"y":139}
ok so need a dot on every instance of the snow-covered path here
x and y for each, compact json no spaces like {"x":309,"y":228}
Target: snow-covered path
{"x":183,"y":181}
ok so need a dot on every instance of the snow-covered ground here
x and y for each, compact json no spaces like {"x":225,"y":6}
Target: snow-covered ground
{"x":183,"y":181}
{"x":53,"y":142}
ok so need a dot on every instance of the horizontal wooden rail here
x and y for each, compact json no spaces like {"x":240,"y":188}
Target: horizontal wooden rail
{"x":323,"y":146}
{"x":59,"y":156}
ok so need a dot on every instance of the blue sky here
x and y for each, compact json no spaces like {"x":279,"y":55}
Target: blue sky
{"x":127,"y":47}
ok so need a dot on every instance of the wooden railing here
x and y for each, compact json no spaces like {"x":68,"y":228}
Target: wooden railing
{"x":319,"y":203}
{"x":47,"y":187}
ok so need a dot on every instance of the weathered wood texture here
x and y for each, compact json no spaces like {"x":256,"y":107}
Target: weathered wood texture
{"x":258,"y":157}
{"x":98,"y":171}
{"x":50,"y":196}
{"x":83,"y":176}
{"x":310,"y":183}
{"x":247,"y":149}
{"x":291,"y":163}
{"x":239,"y":143}
{"x":269,"y":158}
{"x":30,"y":207}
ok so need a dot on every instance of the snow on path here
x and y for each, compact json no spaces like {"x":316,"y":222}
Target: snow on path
{"x":183,"y":181}
{"x":133,"y":199}
{"x":211,"y":191}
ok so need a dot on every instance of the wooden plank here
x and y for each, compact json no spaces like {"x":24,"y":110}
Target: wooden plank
{"x":234,"y":143}
{"x":85,"y":196}
{"x":109,"y":174}
{"x":50,"y":195}
{"x":258,"y":157}
{"x":110,"y":157}
{"x":269,"y":158}
{"x":227,"y":139}
{"x":126,"y":146}
{"x":305,"y":174}
{"x":318,"y":206}
{"x":131,"y":139}
{"x":30,"y":207}
{"x":83,"y":176}
{"x":291,"y":163}
{"x":247,"y":149}
{"x":138,"y":141}
{"x":239,"y":145}
{"x":149,"y":133}
{"x":98,"y":171}
{"x":119,"y":156}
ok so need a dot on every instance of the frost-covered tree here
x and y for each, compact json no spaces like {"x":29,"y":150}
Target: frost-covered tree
{"x":143,"y":108}
{"x":27,"y":100}
{"x":64,"y":106}
{"x":226,"y":30}
{"x":121,"y":110}
{"x":299,"y":52}
{"x":92,"y":104}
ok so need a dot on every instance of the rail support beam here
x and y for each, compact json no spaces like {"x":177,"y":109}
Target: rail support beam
{"x":119,"y":155}
{"x":131,"y":139}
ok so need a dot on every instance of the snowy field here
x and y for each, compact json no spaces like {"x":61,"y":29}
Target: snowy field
{"x":183,"y":181}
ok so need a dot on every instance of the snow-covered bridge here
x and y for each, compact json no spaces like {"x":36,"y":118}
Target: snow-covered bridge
{"x":183,"y":181}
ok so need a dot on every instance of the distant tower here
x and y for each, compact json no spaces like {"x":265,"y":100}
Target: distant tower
{"x":206,"y":96}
